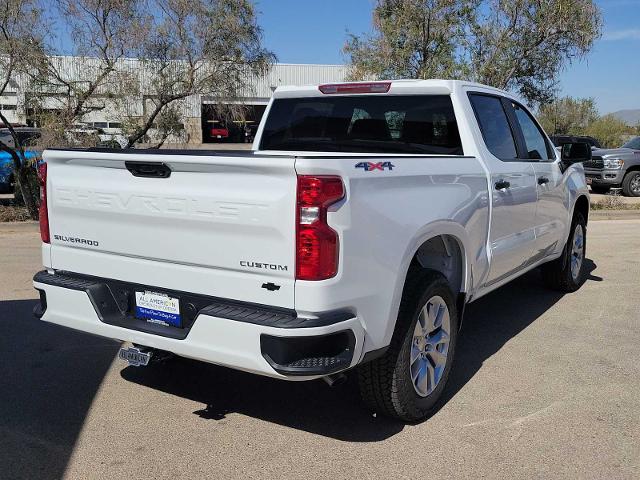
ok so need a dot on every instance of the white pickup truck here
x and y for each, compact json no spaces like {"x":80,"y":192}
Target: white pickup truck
{"x":353,"y":235}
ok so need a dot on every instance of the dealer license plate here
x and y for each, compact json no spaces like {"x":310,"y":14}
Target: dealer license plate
{"x":158,"y":308}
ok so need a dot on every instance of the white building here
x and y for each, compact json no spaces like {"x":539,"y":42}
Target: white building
{"x":197,"y":112}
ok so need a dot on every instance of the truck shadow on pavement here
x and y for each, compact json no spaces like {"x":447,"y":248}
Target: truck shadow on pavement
{"x":495,"y":319}
{"x":51,"y":376}
{"x":338,"y":412}
{"x":49,"y":379}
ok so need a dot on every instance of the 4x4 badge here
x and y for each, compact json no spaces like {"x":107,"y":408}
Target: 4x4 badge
{"x":371,"y":166}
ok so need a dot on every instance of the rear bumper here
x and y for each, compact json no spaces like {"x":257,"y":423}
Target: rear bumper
{"x":256,"y":339}
{"x":604,"y":177}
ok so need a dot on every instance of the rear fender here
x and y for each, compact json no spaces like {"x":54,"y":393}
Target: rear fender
{"x":428,"y":232}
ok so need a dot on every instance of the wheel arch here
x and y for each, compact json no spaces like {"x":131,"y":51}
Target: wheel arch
{"x":443,"y":249}
{"x":581,"y":205}
{"x":444,"y":254}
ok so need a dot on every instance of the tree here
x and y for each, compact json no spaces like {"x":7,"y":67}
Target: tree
{"x":609,"y":130}
{"x":103,"y":34}
{"x":412,"y":39}
{"x":568,"y":115}
{"x":206,"y":47}
{"x":184,"y":47}
{"x":519,"y":45}
{"x":19,"y":44}
{"x":523,"y":44}
{"x":168,"y":122}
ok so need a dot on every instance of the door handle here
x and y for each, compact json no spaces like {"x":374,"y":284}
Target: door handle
{"x":502,"y":185}
{"x":543,"y":180}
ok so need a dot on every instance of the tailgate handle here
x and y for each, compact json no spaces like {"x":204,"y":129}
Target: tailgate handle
{"x":148,"y":169}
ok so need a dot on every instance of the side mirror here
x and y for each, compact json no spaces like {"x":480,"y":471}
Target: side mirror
{"x":576,"y":152}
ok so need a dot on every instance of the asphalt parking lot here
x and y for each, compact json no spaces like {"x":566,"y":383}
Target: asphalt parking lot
{"x":545,"y":386}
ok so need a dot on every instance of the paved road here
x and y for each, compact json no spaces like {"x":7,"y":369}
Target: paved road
{"x":545,"y":386}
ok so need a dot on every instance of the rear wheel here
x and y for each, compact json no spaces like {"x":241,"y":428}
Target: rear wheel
{"x":631,"y":184}
{"x":407,"y":382}
{"x":567,"y":272}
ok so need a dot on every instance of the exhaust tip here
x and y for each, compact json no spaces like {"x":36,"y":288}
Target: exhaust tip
{"x":335,"y":379}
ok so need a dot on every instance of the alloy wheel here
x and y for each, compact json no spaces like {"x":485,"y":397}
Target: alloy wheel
{"x":577,"y":252}
{"x":430,"y":346}
{"x":635,"y":185}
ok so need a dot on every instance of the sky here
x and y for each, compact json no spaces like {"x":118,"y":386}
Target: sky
{"x":304,"y":31}
{"x":314,"y":31}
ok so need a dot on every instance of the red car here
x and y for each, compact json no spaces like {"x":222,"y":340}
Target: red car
{"x":219,"y":132}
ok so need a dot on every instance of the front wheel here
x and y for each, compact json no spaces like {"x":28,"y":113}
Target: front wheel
{"x":567,"y":272}
{"x":631,"y":184}
{"x":407,"y":382}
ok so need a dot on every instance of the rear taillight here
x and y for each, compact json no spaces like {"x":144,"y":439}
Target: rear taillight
{"x":43,"y":214}
{"x":317,"y":244}
{"x":368,"y":87}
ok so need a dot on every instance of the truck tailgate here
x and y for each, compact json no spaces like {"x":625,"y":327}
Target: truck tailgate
{"x":219,"y":225}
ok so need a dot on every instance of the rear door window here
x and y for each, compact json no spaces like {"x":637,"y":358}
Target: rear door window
{"x":494,"y":125}
{"x":363,"y":123}
{"x":536,"y":145}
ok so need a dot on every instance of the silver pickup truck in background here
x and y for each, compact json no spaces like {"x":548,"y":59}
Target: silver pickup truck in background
{"x":615,"y":168}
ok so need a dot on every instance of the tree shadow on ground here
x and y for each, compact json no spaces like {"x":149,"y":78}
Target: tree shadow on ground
{"x":338,"y":412}
{"x":50,"y":376}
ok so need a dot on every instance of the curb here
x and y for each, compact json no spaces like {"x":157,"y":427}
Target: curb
{"x":614,"y":215}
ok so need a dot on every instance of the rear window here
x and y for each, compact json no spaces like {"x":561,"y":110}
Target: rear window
{"x":366,"y":123}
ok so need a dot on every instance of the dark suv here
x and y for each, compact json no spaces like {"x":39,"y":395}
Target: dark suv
{"x":559,"y":140}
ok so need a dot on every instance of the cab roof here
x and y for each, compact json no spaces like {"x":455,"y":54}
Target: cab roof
{"x":401,"y":86}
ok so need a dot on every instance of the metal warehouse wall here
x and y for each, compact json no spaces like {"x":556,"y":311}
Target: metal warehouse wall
{"x":82,"y":68}
{"x":290,"y":74}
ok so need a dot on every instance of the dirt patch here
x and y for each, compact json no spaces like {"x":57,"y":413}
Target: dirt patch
{"x":13,"y":213}
{"x":613,"y":202}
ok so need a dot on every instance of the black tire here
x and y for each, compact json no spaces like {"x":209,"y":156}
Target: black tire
{"x":557,"y":273}
{"x":600,"y":189}
{"x":631,"y":184}
{"x":385,"y":383}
